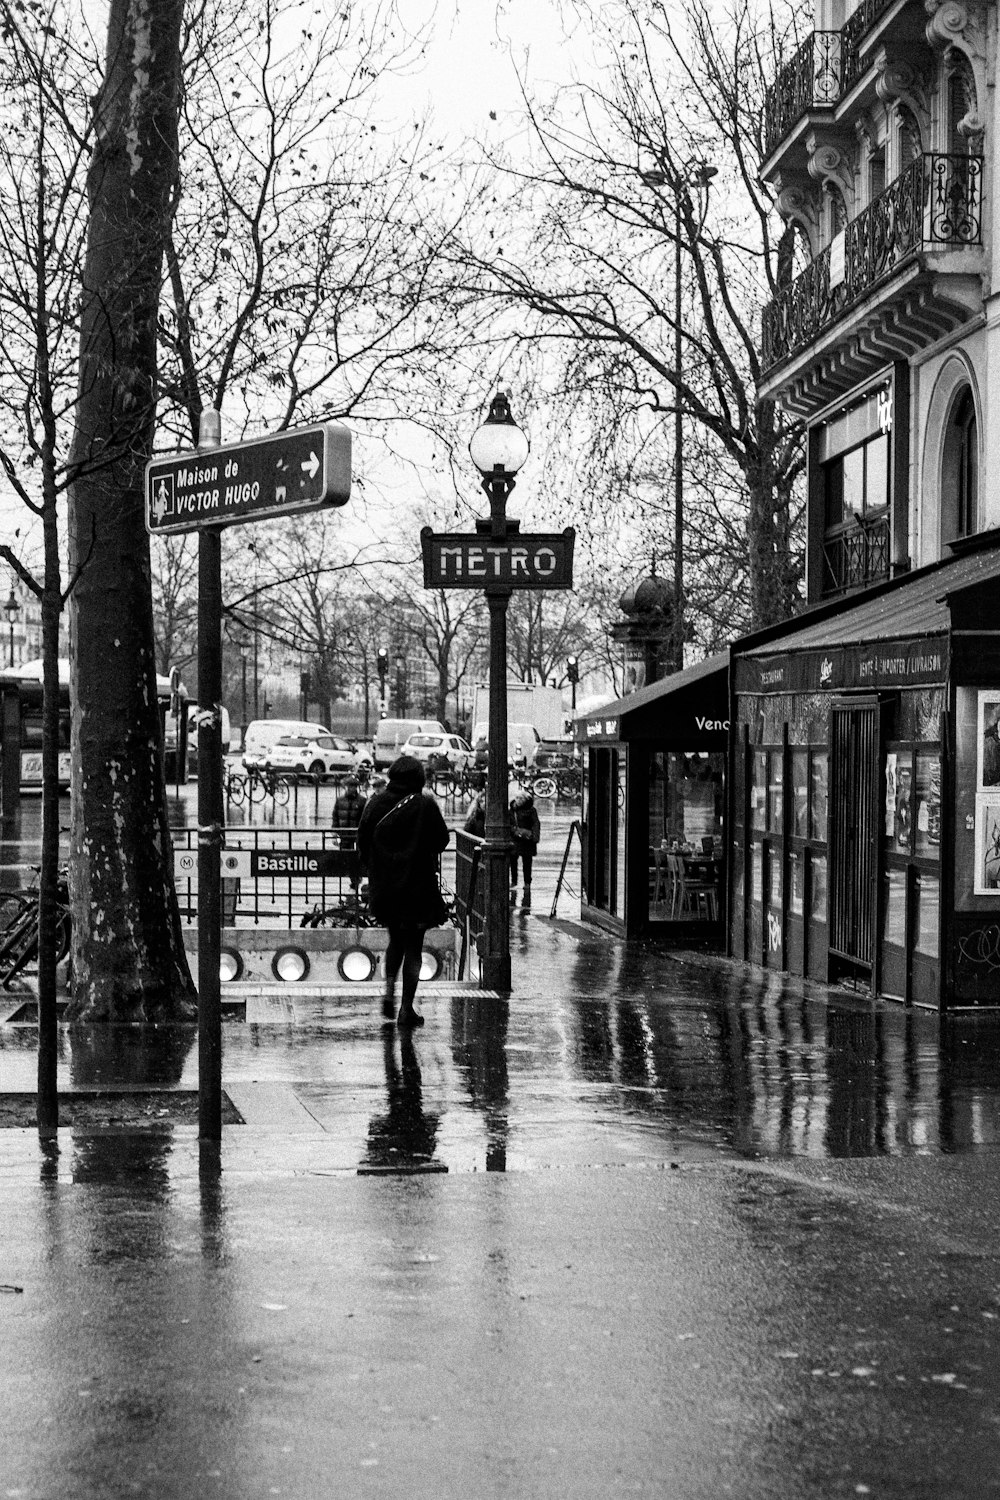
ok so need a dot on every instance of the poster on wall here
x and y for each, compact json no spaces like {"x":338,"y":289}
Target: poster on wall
{"x":988,"y":766}
{"x":987,"y":847}
{"x":890,"y":794}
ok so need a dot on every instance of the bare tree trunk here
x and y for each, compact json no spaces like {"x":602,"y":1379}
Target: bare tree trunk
{"x":128,"y":953}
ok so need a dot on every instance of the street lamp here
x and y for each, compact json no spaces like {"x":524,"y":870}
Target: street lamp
{"x":12,"y":609}
{"x":680,"y":178}
{"x":244,"y":654}
{"x":498,"y":449}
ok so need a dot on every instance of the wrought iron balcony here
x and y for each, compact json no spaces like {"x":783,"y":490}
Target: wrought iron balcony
{"x":810,"y":81}
{"x":857,"y":557}
{"x":934,"y":204}
{"x":825,"y":67}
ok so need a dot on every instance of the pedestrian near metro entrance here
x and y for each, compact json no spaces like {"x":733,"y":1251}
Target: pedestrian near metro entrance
{"x":347,"y":811}
{"x":525,"y":832}
{"x":401,"y":835}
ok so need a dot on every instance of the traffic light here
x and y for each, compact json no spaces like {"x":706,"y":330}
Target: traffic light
{"x":382,"y":664}
{"x":572,"y":669}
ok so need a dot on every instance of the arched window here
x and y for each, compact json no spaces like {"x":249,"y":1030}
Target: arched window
{"x":961,"y":101}
{"x":910,"y":146}
{"x":960,"y":471}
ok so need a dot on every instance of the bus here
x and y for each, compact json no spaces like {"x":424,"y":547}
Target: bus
{"x":21,"y":708}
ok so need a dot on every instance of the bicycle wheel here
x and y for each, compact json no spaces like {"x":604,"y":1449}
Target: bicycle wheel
{"x":256,"y":788}
{"x":13,"y":906}
{"x":280,"y":791}
{"x":64,"y":931}
{"x":20,"y":948}
{"x":544,"y":786}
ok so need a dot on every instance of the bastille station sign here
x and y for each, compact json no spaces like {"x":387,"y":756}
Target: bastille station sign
{"x":541,"y":560}
{"x":302,"y":469}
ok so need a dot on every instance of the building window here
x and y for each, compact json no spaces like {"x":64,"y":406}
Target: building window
{"x":854,"y":454}
{"x":960,"y":471}
{"x":910,"y":146}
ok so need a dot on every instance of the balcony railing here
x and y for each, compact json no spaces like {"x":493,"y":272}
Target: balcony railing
{"x":825,"y":67}
{"x":810,"y":81}
{"x":858,"y":557}
{"x":934,"y":203}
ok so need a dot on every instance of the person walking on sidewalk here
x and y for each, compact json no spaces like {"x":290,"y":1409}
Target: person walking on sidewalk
{"x":401,"y":835}
{"x":525,"y":832}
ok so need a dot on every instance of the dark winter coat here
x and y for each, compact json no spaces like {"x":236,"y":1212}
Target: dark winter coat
{"x":348,"y":808}
{"x":525,"y":829}
{"x":401,"y":835}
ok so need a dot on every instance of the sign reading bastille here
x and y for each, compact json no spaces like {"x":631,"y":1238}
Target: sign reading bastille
{"x":535,"y":560}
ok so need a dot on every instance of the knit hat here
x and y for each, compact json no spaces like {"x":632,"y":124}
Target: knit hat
{"x":407,"y":774}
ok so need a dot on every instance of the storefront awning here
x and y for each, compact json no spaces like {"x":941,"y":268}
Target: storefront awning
{"x":897,"y":635}
{"x":689,"y":708}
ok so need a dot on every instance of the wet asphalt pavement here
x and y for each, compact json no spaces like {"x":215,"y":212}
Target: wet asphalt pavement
{"x":660,"y":1226}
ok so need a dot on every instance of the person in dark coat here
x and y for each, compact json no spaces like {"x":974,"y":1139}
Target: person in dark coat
{"x":347,"y":811}
{"x":525,"y":832}
{"x":401,"y":835}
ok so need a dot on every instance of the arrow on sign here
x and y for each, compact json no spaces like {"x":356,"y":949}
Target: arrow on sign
{"x":311,"y":465}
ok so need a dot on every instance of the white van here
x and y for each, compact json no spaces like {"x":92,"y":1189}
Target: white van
{"x":522,"y":740}
{"x":391,"y":735}
{"x":261,"y":734}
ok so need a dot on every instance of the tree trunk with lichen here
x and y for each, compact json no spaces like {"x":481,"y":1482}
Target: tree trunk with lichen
{"x":129,"y":962}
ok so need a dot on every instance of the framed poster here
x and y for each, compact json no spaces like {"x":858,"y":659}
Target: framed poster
{"x":987,"y":846}
{"x":988,"y":759}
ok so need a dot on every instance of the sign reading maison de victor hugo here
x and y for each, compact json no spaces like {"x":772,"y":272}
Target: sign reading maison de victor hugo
{"x":542,"y":560}
{"x":301,"y":469}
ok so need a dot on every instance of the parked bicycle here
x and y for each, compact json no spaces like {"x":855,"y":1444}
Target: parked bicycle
{"x":352,"y":911}
{"x":263,"y":782}
{"x":19,"y":937}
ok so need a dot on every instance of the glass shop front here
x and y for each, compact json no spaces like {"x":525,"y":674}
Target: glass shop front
{"x":655,"y":808}
{"x":866,"y":791}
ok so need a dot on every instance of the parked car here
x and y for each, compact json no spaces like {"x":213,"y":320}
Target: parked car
{"x":263,"y":734}
{"x":443,"y":749}
{"x":319,"y":755}
{"x":391,"y":735}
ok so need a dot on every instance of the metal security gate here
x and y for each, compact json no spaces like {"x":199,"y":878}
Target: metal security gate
{"x":854,"y":782}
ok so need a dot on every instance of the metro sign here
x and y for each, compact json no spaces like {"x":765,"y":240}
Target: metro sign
{"x":541,"y":560}
{"x":305,"y":468}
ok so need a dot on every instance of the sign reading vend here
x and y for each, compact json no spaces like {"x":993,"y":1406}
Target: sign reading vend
{"x":530,"y":561}
{"x":305,"y":468}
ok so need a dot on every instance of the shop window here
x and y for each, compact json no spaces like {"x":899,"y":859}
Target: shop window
{"x":758,"y":791}
{"x":928,"y":915}
{"x":817,"y":892}
{"x":800,"y":793}
{"x":894,"y":922}
{"x":927,"y":799}
{"x":818,"y":796}
{"x":796,"y":885}
{"x":775,"y":793}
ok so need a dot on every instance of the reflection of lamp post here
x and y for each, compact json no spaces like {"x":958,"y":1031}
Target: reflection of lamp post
{"x":12,"y":609}
{"x":573,"y":673}
{"x":680,"y":179}
{"x":498,"y":450}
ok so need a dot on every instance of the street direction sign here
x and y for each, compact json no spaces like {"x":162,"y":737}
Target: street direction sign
{"x":457,"y":560}
{"x":305,"y":468}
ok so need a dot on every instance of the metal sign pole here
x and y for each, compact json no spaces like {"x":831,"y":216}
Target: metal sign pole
{"x":209,"y":812}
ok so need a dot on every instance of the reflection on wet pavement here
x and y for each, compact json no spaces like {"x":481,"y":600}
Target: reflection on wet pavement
{"x":604,"y":1054}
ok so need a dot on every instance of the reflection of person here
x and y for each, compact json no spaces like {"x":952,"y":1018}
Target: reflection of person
{"x":991,"y":746}
{"x":525,"y":832}
{"x":402,"y":833}
{"x":404,"y":1136}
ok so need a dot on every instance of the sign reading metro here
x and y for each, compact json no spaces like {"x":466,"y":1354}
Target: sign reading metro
{"x":542,"y":560}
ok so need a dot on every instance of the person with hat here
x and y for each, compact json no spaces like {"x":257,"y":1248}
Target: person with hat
{"x":525,"y":832}
{"x":400,"y":838}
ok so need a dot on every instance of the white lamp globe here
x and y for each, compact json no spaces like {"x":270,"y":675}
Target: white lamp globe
{"x":499,"y":443}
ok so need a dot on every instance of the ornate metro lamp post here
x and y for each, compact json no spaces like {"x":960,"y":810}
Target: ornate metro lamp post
{"x":498,"y":450}
{"x":12,"y":609}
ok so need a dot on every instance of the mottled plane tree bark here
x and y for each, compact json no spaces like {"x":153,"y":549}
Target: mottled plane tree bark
{"x":128,"y":952}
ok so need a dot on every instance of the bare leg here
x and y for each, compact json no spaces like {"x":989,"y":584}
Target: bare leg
{"x":394,"y":955}
{"x":412,"y":959}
